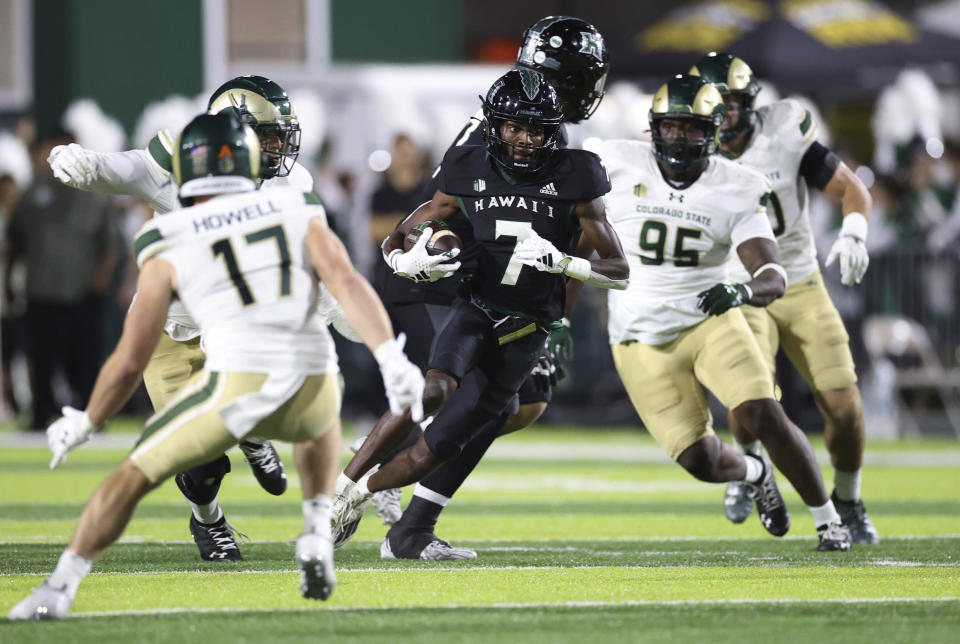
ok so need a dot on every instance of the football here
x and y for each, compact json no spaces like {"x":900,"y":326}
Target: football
{"x":442,"y":240}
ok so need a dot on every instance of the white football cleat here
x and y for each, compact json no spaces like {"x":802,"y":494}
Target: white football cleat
{"x":315,"y":562}
{"x":45,"y":602}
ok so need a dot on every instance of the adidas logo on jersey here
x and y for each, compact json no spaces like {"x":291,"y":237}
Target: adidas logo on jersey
{"x":479,"y":185}
{"x":549,"y":189}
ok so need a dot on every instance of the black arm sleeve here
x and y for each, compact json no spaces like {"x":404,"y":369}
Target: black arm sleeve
{"x":818,"y":165}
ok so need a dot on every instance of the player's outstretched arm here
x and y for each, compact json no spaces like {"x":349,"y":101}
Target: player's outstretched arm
{"x":121,"y":373}
{"x":365,"y":313}
{"x":133,"y":172}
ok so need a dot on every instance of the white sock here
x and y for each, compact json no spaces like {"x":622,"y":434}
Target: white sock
{"x":207,"y":512}
{"x":316,"y":514}
{"x":70,"y":571}
{"x":754,"y":447}
{"x":847,"y":485}
{"x":256,"y":440}
{"x":824,"y":514}
{"x":427,"y":494}
{"x":754,"y":468}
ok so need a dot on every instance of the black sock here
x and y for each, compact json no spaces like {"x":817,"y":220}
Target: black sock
{"x":202,"y":483}
{"x":420,"y":516}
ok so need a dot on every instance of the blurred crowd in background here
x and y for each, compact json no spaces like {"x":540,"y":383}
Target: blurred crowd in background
{"x":371,"y":139}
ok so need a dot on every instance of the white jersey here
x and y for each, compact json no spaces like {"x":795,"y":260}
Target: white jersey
{"x":676,"y":241}
{"x":147,"y":174}
{"x":784,"y":133}
{"x":244,"y":275}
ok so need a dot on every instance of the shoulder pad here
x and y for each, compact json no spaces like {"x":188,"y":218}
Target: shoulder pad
{"x":461,"y":167}
{"x":579,"y":175}
{"x":790,"y":122}
{"x":161,"y":148}
{"x":148,"y":243}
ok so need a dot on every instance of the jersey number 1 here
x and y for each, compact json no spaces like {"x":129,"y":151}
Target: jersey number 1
{"x":225,"y":248}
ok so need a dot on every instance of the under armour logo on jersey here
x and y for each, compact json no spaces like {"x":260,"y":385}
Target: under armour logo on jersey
{"x":591,"y":43}
{"x":549,"y":189}
{"x":677,"y":197}
{"x":479,"y":185}
{"x":530,"y":81}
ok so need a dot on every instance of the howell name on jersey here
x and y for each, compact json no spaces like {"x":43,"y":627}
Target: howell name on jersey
{"x":501,"y":211}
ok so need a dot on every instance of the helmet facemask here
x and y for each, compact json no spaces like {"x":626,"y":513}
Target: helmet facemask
{"x":281,"y":147}
{"x":522,"y":97}
{"x":681,"y":149}
{"x":747,"y":116}
{"x":264,"y":106}
{"x":520,"y":158}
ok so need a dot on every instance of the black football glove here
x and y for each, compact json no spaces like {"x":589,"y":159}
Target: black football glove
{"x":720,"y":298}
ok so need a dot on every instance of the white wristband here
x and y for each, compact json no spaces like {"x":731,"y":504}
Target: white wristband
{"x":578,"y":268}
{"x":391,"y":258}
{"x":854,"y":225}
{"x":772,"y":266}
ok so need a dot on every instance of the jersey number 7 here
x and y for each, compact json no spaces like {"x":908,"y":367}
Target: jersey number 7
{"x":225,"y":248}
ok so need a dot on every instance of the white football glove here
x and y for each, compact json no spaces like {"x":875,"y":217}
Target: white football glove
{"x":72,"y":165}
{"x":68,"y":431}
{"x":416,"y":264}
{"x":402,"y":379}
{"x":851,"y":250}
{"x":539,"y":253}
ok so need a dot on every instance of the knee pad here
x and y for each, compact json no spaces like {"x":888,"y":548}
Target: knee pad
{"x":201,"y":484}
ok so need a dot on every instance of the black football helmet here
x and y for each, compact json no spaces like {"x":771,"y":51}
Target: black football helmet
{"x":572,"y":55}
{"x":686,"y":97}
{"x":266,"y":108}
{"x":522,"y":96}
{"x":216,"y":154}
{"x":732,"y":77}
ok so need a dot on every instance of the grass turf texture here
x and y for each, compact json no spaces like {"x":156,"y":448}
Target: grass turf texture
{"x":571,"y":546}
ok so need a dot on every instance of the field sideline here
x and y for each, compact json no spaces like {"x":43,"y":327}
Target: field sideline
{"x":580,"y":533}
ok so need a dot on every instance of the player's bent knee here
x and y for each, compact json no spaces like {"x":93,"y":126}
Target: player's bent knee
{"x":762,"y":418}
{"x":526,"y":416}
{"x":436,"y":390}
{"x":842,"y":407}
{"x":702,"y":459}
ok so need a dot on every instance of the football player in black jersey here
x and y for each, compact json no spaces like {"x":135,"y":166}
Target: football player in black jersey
{"x":572,"y":56}
{"x":522,"y":204}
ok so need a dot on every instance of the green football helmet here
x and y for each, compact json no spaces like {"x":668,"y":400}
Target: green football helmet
{"x":266,"y":108}
{"x":216,"y":154}
{"x":686,"y":98}
{"x":732,"y":77}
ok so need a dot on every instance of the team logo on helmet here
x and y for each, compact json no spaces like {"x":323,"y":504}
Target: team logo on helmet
{"x":592,"y":44}
{"x":531,"y":83}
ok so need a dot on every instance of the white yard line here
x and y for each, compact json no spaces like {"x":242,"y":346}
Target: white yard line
{"x":523,"y":606}
{"x":792,"y":537}
{"x":882,"y":563}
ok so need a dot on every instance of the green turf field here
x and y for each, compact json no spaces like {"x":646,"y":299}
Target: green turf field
{"x":581,"y":535}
